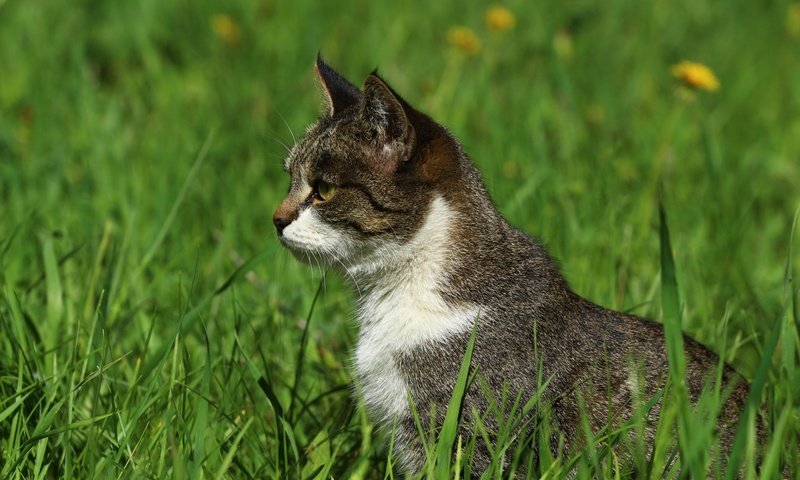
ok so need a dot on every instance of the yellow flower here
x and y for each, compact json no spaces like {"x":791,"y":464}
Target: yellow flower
{"x":500,"y":18}
{"x":562,"y":44}
{"x":226,"y":29}
{"x":511,"y":169}
{"x":464,"y":39}
{"x":793,"y":19}
{"x":696,"y":76}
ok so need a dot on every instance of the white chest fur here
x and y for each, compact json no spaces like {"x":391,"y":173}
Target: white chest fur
{"x":403,"y":309}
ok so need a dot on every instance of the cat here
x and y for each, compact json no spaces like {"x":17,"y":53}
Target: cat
{"x":385,"y":195}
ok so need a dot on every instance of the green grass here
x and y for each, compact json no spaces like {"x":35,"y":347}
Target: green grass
{"x":152,"y":327}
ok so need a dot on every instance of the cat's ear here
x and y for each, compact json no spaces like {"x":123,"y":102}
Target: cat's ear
{"x":384,"y":113}
{"x":337,"y":91}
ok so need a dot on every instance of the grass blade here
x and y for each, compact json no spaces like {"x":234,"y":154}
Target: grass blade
{"x":673,"y":334}
{"x":55,"y":292}
{"x":771,"y":465}
{"x":226,"y":462}
{"x":191,"y":316}
{"x":449,"y":432}
{"x":162,"y":233}
{"x":298,"y":372}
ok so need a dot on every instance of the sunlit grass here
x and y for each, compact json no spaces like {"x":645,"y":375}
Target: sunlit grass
{"x":151,"y":326}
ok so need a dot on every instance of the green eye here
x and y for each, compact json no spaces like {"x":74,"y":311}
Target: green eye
{"x":325,"y":190}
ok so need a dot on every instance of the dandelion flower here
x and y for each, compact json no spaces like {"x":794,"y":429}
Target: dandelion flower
{"x":511,"y":169}
{"x":696,"y":76}
{"x":226,"y":29}
{"x":793,"y":19}
{"x":464,"y":39}
{"x":500,"y":18}
{"x":562,"y":44}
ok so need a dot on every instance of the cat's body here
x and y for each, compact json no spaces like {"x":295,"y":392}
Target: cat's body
{"x":385,"y":194}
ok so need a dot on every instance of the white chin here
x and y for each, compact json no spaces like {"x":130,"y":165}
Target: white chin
{"x":305,"y":254}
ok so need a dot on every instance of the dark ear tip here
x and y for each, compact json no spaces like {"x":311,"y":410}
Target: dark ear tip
{"x":375,"y":79}
{"x":319,"y":64}
{"x":339,"y":93}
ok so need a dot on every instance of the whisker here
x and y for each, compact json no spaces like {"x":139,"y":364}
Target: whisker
{"x":288,"y":127}
{"x":278,"y":141}
{"x":349,"y":275}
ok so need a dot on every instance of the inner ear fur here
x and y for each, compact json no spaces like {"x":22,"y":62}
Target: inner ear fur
{"x":384,"y":110}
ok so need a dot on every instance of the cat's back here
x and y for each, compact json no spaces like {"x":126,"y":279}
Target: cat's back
{"x":534,"y":316}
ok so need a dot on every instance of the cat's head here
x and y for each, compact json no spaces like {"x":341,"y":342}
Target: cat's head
{"x":364,"y":175}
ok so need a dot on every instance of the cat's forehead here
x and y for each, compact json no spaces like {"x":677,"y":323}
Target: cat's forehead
{"x":324,"y":140}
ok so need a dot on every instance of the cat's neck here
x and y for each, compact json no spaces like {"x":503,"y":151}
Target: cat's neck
{"x":408,"y":297}
{"x":402,"y":299}
{"x":402,"y":305}
{"x":420,"y":263}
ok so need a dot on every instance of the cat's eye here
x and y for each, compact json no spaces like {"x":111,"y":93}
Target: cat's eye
{"x":324,"y":190}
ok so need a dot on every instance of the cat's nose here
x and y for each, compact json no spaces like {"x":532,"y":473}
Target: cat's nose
{"x":282,"y":218}
{"x":280,"y":222}
{"x":285,"y":214}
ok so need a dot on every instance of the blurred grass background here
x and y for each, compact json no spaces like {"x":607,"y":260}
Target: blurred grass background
{"x":140,"y":161}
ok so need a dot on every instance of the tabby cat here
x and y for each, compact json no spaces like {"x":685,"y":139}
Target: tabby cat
{"x":385,"y":195}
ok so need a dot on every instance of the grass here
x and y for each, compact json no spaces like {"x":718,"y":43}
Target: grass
{"x":152,"y":327}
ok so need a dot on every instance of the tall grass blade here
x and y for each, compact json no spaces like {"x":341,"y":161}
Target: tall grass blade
{"x":673,"y":333}
{"x":301,"y":353}
{"x":280,"y":431}
{"x":201,"y":422}
{"x":771,"y":465}
{"x":449,"y":432}
{"x":226,"y":461}
{"x":187,"y":321}
{"x":55,"y":292}
{"x":747,"y":421}
{"x":162,"y":233}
